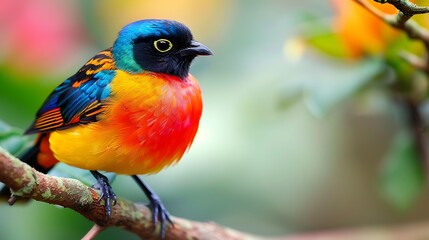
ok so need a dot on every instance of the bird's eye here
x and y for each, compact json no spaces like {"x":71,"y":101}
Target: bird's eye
{"x":163,"y":45}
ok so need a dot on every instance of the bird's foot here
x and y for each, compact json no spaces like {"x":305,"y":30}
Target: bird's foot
{"x":106,"y":191}
{"x":159,"y":213}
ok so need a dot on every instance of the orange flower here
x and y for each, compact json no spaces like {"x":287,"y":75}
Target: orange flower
{"x":360,"y":30}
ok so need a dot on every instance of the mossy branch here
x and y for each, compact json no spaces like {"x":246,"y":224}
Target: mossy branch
{"x":26,"y":182}
{"x":70,"y":193}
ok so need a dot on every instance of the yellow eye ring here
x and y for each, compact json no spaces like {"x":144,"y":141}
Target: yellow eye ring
{"x":163,"y":45}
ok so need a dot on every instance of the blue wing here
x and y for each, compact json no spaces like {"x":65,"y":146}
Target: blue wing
{"x":78,"y":100}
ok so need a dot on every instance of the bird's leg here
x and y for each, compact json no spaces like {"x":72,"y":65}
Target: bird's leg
{"x":106,"y":191}
{"x":158,"y":209}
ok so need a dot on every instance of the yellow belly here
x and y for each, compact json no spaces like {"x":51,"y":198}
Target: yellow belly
{"x":94,"y":147}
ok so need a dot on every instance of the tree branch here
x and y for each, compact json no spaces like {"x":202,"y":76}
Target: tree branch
{"x":26,"y":182}
{"x":401,"y":20}
{"x":95,"y":230}
{"x":406,"y":7}
{"x":416,"y":125}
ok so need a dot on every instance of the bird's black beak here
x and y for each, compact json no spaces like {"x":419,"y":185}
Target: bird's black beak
{"x":196,"y":49}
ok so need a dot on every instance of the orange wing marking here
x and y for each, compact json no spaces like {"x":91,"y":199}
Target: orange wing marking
{"x":50,"y":119}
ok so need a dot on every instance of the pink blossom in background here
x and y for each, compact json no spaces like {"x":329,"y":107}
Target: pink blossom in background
{"x":38,"y":35}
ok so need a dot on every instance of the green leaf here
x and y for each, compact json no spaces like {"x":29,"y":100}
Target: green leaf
{"x":329,"y":43}
{"x":85,"y":176}
{"x":11,"y":139}
{"x":402,"y":178}
{"x":4,"y":127}
{"x":317,"y":32}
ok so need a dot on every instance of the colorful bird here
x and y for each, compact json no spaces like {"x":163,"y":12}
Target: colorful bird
{"x":131,"y":109}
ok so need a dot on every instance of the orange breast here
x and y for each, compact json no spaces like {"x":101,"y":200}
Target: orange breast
{"x":149,"y":123}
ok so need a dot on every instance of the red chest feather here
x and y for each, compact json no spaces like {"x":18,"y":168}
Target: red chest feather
{"x":157,"y":118}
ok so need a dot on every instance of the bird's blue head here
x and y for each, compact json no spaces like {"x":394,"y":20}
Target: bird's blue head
{"x":161,"y":46}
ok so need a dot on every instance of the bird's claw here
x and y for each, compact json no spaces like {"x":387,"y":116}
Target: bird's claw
{"x":159,"y":213}
{"x":106,"y":193}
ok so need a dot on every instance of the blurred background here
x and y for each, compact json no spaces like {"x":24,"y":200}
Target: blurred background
{"x":300,"y":131}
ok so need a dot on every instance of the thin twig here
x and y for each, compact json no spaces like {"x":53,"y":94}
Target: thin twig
{"x":414,"y":60}
{"x":401,"y":20}
{"x":95,"y":230}
{"x":406,"y":7}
